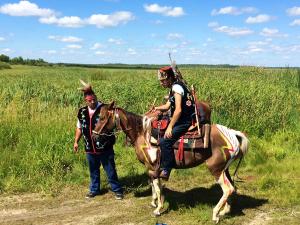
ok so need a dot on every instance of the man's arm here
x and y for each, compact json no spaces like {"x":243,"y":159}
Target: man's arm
{"x":164,"y":107}
{"x":78,"y":134}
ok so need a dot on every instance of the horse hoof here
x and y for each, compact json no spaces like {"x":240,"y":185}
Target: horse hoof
{"x":156,"y":213}
{"x":224,"y":212}
{"x":153,"y":205}
{"x":216,"y":220}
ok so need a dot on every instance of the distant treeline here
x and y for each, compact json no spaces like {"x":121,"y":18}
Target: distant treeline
{"x":19,"y":60}
{"x":6,"y":60}
{"x":140,"y":66}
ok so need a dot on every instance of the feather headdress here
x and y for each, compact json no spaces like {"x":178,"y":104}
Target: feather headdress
{"x":86,"y":89}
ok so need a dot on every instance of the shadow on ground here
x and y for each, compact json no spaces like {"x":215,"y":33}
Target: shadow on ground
{"x":205,"y":196}
{"x":210,"y":196}
{"x":136,"y":183}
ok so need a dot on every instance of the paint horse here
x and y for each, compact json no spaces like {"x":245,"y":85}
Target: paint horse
{"x":225,"y":146}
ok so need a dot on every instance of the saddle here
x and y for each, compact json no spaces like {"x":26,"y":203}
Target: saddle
{"x":192,"y":139}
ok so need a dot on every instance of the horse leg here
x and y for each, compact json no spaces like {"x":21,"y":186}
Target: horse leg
{"x":154,"y":196}
{"x":160,"y":199}
{"x":227,"y":206}
{"x":227,"y":189}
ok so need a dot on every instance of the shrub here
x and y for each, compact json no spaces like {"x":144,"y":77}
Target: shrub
{"x":4,"y":65}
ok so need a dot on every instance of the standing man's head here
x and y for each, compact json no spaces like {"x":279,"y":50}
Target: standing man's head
{"x":89,"y":95}
{"x":166,"y":76}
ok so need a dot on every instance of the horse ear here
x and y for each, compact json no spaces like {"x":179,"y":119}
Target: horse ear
{"x":111,"y":105}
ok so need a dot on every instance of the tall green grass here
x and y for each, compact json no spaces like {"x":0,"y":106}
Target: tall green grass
{"x":38,"y":108}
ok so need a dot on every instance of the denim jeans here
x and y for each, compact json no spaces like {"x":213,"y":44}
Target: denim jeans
{"x":166,"y":146}
{"x":107,"y":159}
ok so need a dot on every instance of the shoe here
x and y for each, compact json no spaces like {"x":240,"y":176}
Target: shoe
{"x":119,"y":196}
{"x":91,"y":195}
{"x":164,"y":174}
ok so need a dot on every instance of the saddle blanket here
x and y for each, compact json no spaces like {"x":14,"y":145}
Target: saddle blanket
{"x":229,"y":135}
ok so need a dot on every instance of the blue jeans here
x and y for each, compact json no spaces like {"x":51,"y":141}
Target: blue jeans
{"x":166,"y":146}
{"x":107,"y":159}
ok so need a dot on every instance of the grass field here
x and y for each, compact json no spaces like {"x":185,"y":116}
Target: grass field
{"x":38,"y":107}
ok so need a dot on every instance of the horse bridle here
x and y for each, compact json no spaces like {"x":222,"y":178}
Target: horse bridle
{"x":117,"y":124}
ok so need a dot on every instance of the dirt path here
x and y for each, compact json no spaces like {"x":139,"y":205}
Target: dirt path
{"x":74,"y":209}
{"x":33,"y":209}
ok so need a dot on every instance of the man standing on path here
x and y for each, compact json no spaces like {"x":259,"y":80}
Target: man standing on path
{"x":97,"y":152}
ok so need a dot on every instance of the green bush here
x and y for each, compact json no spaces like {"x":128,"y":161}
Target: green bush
{"x":4,"y":65}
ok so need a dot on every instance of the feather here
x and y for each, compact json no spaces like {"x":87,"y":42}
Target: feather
{"x":83,"y":83}
{"x":87,"y":88}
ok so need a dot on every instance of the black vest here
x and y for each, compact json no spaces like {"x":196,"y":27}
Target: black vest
{"x":187,"y":104}
{"x":104,"y":143}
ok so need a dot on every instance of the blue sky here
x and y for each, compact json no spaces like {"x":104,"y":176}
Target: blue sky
{"x":257,"y":32}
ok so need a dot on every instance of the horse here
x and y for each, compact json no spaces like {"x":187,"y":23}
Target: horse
{"x":218,"y":156}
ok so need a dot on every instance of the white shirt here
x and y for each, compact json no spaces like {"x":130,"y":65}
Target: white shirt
{"x":176,"y":88}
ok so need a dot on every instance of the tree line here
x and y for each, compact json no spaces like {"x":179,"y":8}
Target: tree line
{"x":20,"y":60}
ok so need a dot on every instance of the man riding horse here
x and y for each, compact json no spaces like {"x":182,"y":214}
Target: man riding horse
{"x":181,"y":103}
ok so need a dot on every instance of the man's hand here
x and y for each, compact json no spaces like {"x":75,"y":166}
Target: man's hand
{"x":168,"y":133}
{"x":75,"y":147}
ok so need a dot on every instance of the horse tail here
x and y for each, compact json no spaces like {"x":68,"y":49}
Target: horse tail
{"x":244,"y":142}
{"x":244,"y":145}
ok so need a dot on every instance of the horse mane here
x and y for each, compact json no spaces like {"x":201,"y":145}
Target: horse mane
{"x":135,"y":121}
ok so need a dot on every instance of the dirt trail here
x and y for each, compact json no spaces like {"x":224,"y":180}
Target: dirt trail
{"x":73,"y":209}
{"x":32,"y":209}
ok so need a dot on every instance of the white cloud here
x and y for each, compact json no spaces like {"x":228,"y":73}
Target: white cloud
{"x":195,"y":51}
{"x":295,"y":11}
{"x":115,"y":41}
{"x":71,"y":39}
{"x":112,"y":20}
{"x":295,"y":23}
{"x":294,"y":48}
{"x":213,"y":24}
{"x":52,"y":52}
{"x":262,"y":18}
{"x":260,"y":43}
{"x":286,"y":49}
{"x":48,"y":16}
{"x":251,"y":50}
{"x":25,"y":8}
{"x":268,"y":32}
{"x":96,"y":46}
{"x":74,"y":46}
{"x":255,"y":49}
{"x":2,"y":39}
{"x":99,"y":53}
{"x":131,"y":51}
{"x":231,"y":10}
{"x":233,"y":31}
{"x":164,"y":10}
{"x":66,"y":21}
{"x":6,"y":50}
{"x":257,"y":46}
{"x":173,"y":36}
